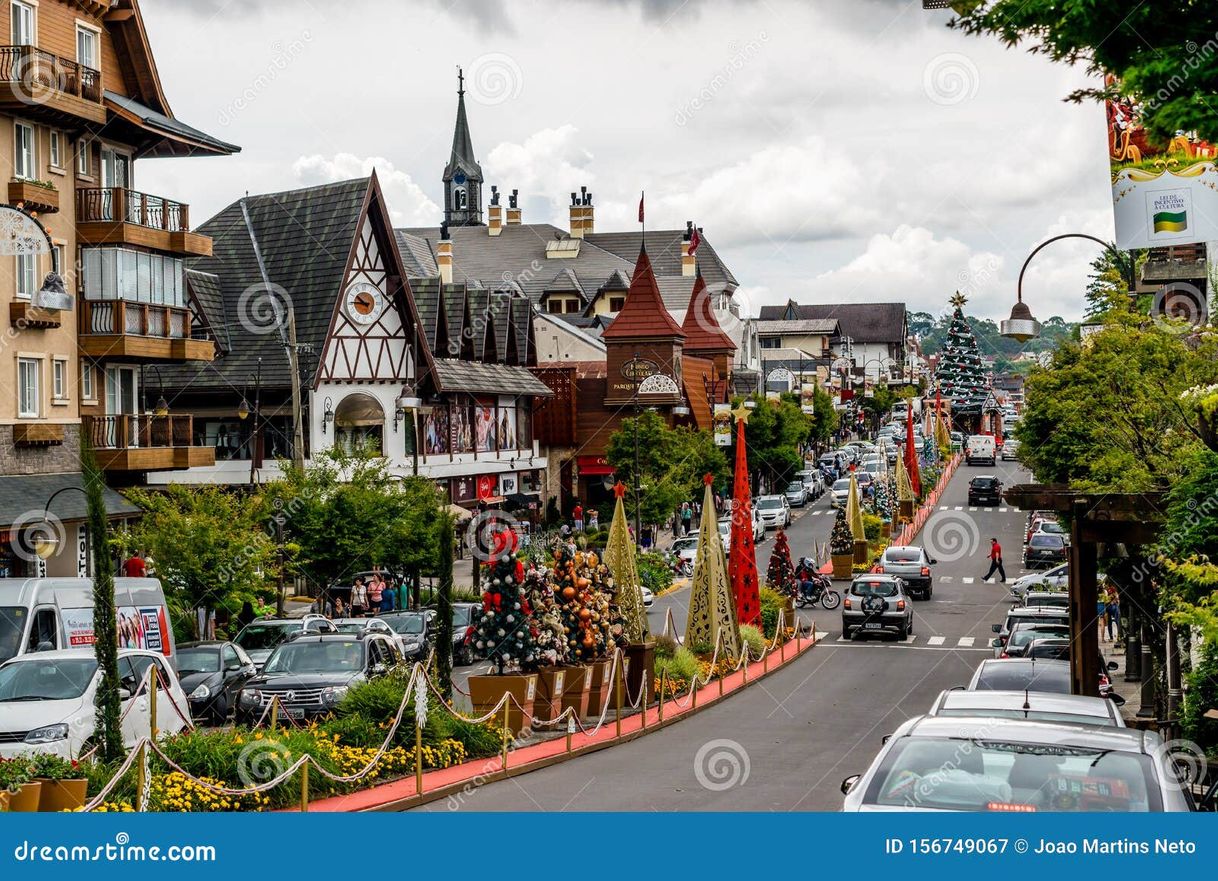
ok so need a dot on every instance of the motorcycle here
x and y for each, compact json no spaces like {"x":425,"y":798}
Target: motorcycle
{"x":817,"y":588}
{"x":680,"y":566}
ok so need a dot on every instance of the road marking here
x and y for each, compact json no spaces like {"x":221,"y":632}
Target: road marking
{"x":817,"y":513}
{"x":946,"y":579}
{"x":972,"y":510}
{"x":966,"y":641}
{"x":936,"y":640}
{"x":958,"y":508}
{"x":967,"y":580}
{"x":892,"y":646}
{"x":943,"y":507}
{"x":1002,"y":510}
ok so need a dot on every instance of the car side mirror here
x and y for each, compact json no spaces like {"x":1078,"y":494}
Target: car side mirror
{"x":995,"y":643}
{"x":233,"y":668}
{"x":124,"y":694}
{"x":934,"y":562}
{"x":1117,"y":699}
{"x":849,"y":782}
{"x":996,"y":628}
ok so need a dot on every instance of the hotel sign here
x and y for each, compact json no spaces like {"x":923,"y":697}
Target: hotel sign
{"x":638,"y":369}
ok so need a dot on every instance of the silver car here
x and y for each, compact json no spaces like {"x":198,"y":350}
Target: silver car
{"x":796,"y":493}
{"x":876,"y":605}
{"x":981,"y":763}
{"x":1073,"y":709}
{"x":775,"y":511}
{"x":912,"y":564}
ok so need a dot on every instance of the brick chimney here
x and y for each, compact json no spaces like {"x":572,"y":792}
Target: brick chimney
{"x":444,"y":255}
{"x":582,"y":214}
{"x":494,"y":214}
{"x":513,"y":212}
{"x":689,"y":263}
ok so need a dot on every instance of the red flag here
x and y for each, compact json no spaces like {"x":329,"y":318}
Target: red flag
{"x":695,"y":239}
{"x":642,"y":198}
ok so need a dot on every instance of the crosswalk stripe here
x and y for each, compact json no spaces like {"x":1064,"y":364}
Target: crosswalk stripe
{"x":966,"y":641}
{"x":943,"y":507}
{"x":967,"y":580}
{"x":958,"y":508}
{"x":946,"y":579}
{"x":1002,"y":510}
{"x":973,"y":510}
{"x":936,"y":640}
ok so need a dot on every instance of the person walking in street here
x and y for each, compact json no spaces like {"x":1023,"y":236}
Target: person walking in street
{"x":995,"y":562}
{"x":687,"y":517}
{"x":577,"y":515}
{"x":359,"y":599}
{"x":1112,"y":612}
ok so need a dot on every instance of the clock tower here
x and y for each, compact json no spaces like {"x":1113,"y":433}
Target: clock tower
{"x":463,"y":174}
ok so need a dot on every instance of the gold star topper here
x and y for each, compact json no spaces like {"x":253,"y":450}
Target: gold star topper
{"x":958,"y":300}
{"x":742,"y":414}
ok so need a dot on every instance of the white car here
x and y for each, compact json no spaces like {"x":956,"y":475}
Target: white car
{"x":47,"y":701}
{"x":775,"y":511}
{"x":840,"y":492}
{"x":686,"y":548}
{"x":648,"y":597}
{"x":725,"y":533}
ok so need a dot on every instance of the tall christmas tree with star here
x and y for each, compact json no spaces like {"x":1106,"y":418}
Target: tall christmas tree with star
{"x":742,"y":567}
{"x":960,"y":374}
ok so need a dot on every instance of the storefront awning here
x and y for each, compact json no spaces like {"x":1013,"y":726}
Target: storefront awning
{"x":594,"y":466}
{"x":25,"y":496}
{"x":492,"y":379}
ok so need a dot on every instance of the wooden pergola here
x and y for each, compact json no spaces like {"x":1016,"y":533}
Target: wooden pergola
{"x":1095,"y":519}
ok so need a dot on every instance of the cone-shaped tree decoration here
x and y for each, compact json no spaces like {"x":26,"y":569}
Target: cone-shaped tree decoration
{"x":505,"y":631}
{"x":904,"y":488}
{"x":619,"y":555}
{"x":883,"y":500}
{"x":743,"y":566}
{"x":591,"y":622}
{"x":547,"y":617}
{"x":712,"y":609}
{"x":911,"y":456}
{"x":780,"y":575}
{"x":841,"y":542}
{"x":943,"y":438}
{"x":960,"y":374}
{"x":854,"y":511}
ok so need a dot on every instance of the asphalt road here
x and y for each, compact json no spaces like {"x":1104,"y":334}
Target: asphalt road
{"x":787,"y":743}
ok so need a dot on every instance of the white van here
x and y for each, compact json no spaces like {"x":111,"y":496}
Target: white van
{"x":980,"y":449}
{"x":45,"y":614}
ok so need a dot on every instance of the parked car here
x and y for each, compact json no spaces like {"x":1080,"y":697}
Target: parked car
{"x":1010,"y":449}
{"x":1049,"y":527}
{"x":211,"y":674}
{"x":912,"y":564}
{"x":1054,"y":578}
{"x":957,"y":439}
{"x":864,"y":479}
{"x":1037,"y":706}
{"x":775,"y":511}
{"x":796,"y":493}
{"x":813,"y":481}
{"x":648,"y":597}
{"x":985,"y":489}
{"x":259,"y":638}
{"x":1034,"y":599}
{"x":877,"y":604}
{"x":1017,"y":765}
{"x":47,"y":700}
{"x":413,"y":632}
{"x":312,"y":674}
{"x":1058,"y":649}
{"x":1035,"y":519}
{"x":980,"y":449}
{"x":1044,"y":549}
{"x":840,"y":492}
{"x":1019,"y":613}
{"x":368,"y":625}
{"x":1025,"y":632}
{"x":725,"y":533}
{"x":1021,"y":674}
{"x":465,"y":622}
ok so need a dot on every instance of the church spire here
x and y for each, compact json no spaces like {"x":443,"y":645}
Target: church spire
{"x":463,"y":175}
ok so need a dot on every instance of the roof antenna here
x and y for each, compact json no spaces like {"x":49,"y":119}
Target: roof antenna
{"x":1026,"y":703}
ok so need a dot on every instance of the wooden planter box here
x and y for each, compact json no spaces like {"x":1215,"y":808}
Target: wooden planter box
{"x":905,"y":511}
{"x":861,"y":554}
{"x":61,"y":795}
{"x":486,"y":691}
{"x":886,"y":529}
{"x":641,"y":672}
{"x":550,"y":684}
{"x":600,"y":694}
{"x":788,"y":614}
{"x":3,"y":801}
{"x":577,"y":687}
{"x":843,"y":566}
{"x":25,"y":801}
{"x":43,"y":200}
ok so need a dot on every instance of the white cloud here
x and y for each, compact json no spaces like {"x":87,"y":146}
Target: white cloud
{"x":547,"y":166}
{"x":408,"y":204}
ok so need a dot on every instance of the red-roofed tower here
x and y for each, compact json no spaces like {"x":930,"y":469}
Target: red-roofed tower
{"x":642,"y":341}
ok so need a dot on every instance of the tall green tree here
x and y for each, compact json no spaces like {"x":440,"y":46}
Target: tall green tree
{"x":444,"y":526}
{"x":1164,"y":53}
{"x":775,"y":433}
{"x":107,"y":703}
{"x":824,"y":420}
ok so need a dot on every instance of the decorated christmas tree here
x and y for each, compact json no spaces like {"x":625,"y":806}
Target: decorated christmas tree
{"x":742,"y":568}
{"x":854,"y":511}
{"x":547,"y":619}
{"x":841,"y":542}
{"x":505,"y":631}
{"x":780,"y":574}
{"x":591,"y":622}
{"x":627,"y":587}
{"x":882,"y":501}
{"x":712,"y":608}
{"x":960,"y":374}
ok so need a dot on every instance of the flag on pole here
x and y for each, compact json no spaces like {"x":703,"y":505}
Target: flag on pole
{"x":695,"y":239}
{"x":642,"y":198}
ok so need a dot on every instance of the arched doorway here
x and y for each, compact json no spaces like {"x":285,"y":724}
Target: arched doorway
{"x":359,"y":424}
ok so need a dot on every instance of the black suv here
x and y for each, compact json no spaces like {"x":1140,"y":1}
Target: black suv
{"x":311,"y":674}
{"x":985,"y":490}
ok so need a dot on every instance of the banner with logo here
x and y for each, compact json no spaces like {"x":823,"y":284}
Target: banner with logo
{"x":723,"y":425}
{"x":807,"y":397}
{"x":1162,"y":194}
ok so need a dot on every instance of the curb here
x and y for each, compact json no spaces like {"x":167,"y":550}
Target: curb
{"x":401,"y":795}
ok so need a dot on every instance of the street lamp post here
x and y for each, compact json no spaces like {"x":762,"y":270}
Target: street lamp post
{"x":243,"y":412}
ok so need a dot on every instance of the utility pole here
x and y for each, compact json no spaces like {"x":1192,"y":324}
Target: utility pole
{"x":297,"y":408}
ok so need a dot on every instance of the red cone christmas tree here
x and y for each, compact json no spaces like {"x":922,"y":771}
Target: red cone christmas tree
{"x":780,"y":575}
{"x":742,"y":567}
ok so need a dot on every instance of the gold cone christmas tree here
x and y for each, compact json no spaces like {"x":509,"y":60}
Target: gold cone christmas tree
{"x":712,"y":608}
{"x":904,"y":488}
{"x":619,"y":555}
{"x":854,"y":511}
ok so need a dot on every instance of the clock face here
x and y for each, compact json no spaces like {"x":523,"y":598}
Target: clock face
{"x":364,"y":303}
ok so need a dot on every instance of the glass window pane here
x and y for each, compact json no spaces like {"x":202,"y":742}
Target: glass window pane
{"x":144,"y":276}
{"x":157,"y":280}
{"x":109,"y":274}
{"x":127,"y":286}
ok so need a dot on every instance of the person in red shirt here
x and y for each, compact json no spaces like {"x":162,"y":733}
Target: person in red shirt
{"x":135,"y":567}
{"x":995,"y":562}
{"x":578,"y":516}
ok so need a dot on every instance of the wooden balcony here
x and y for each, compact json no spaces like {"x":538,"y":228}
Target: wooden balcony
{"x":39,"y":84}
{"x":145,"y":442}
{"x":140,"y":332}
{"x":119,"y":216}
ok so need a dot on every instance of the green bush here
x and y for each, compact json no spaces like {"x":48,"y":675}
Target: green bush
{"x":772,"y":605}
{"x":354,"y":730}
{"x":683,"y":664}
{"x":1202,"y":695}
{"x":666,"y":646}
{"x":872,"y":526}
{"x":753,"y":638}
{"x":654,"y":572}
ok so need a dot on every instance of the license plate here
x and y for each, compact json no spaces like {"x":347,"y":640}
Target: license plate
{"x":294,"y":712}
{"x":871,"y":625}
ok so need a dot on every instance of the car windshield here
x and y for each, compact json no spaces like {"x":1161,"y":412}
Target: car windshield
{"x":1014,"y":676}
{"x":199,"y":660}
{"x":874,"y":588}
{"x":685,"y":544}
{"x":1050,"y":600}
{"x":1052,"y":528}
{"x":841,"y":485}
{"x":985,"y":482}
{"x":323,"y":656}
{"x":725,"y":527}
{"x":462,"y":616}
{"x":1047,"y":541}
{"x":56,"y":679}
{"x":797,"y":487}
{"x":1021,"y":636}
{"x":352,"y":627}
{"x":12,"y":626}
{"x":265,"y":636}
{"x":768,"y":503}
{"x":902,"y":555}
{"x":1052,"y":649}
{"x":967,"y":774}
{"x":1036,"y":715}
{"x":406,"y":623}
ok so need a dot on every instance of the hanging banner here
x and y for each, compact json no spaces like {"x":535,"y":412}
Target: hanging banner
{"x":807,"y":397}
{"x":723,"y":425}
{"x":1161,"y":194}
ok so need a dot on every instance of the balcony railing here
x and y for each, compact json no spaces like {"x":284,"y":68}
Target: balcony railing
{"x":38,"y":76}
{"x":140,"y":431}
{"x":121,"y":205}
{"x":122,"y":317}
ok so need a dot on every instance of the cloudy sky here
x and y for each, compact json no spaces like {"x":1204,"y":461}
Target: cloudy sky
{"x":833,"y":150}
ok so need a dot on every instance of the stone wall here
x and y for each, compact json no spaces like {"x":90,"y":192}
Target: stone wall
{"x":56,"y":459}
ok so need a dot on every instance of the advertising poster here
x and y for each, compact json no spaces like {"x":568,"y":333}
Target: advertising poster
{"x":484,"y":426}
{"x":144,"y":627}
{"x":1162,"y":194}
{"x":435,"y":432}
{"x":723,"y":425}
{"x":807,"y":397}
